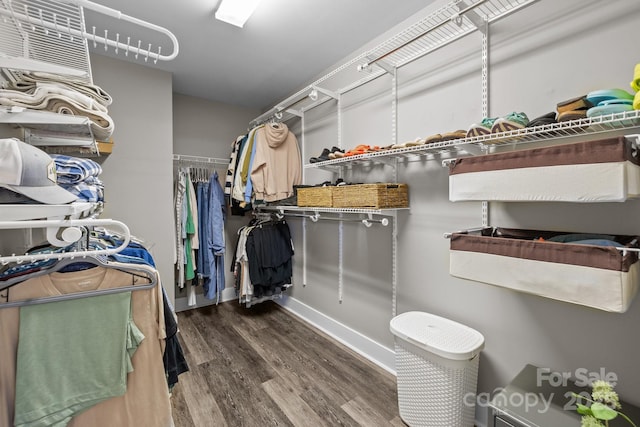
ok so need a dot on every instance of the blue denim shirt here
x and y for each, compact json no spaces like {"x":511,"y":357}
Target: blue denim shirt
{"x":215,"y":239}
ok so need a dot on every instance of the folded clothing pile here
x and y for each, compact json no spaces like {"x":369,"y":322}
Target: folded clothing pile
{"x":80,"y":177}
{"x":63,"y":95}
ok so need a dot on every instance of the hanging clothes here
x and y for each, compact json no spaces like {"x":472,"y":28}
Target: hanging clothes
{"x":200,"y":232}
{"x":264,"y":166}
{"x":134,"y":253}
{"x":263,"y":264}
{"x":215,"y":248}
{"x":146,"y":380}
{"x":277,"y":165}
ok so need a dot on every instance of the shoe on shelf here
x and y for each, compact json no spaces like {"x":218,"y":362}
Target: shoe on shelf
{"x":545,"y":119}
{"x":512,"y":121}
{"x":572,"y":115}
{"x":456,"y":134}
{"x":574,"y":104}
{"x":597,"y":96}
{"x":414,"y":143}
{"x":482,"y":128}
{"x":322,"y":157}
{"x":436,"y":137}
{"x":336,"y":153}
{"x":360,"y":149}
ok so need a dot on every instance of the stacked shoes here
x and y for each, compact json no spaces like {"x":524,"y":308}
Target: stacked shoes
{"x":328,"y":154}
{"x":488,"y":125}
{"x":609,"y":101}
{"x":573,"y":109}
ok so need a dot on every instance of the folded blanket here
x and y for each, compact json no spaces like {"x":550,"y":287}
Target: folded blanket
{"x":28,"y":81}
{"x":101,"y":123}
{"x":40,"y":95}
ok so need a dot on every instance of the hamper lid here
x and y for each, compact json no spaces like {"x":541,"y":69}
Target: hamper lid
{"x":444,"y":337}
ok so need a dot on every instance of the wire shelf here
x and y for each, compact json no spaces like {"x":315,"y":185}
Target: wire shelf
{"x":42,"y":31}
{"x":610,"y":123}
{"x":443,"y":26}
{"x":389,"y":212}
{"x":52,"y":36}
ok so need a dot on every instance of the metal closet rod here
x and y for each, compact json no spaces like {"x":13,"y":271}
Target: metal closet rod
{"x":315,"y":217}
{"x":424,"y":33}
{"x":137,"y":50}
{"x":199,"y":159}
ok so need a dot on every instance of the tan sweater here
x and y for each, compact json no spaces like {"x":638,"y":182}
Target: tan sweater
{"x":146,"y":402}
{"x":277,"y":166}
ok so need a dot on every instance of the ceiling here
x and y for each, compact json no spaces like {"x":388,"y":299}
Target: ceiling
{"x":284,"y":45}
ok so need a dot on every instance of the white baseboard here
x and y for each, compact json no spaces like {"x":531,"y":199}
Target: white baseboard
{"x":181,"y":302}
{"x":375,"y":352}
{"x":366,"y":347}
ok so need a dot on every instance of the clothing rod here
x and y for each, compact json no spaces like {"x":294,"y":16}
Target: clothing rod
{"x":315,"y":217}
{"x":408,"y":42}
{"x":199,"y":159}
{"x":78,"y":295}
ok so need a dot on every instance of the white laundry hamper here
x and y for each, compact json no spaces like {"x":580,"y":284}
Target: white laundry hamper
{"x":437,"y":370}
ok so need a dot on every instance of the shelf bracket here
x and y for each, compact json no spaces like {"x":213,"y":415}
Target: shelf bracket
{"x":471,"y":14}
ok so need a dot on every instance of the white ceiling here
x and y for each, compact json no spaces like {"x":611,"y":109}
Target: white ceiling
{"x":284,"y":45}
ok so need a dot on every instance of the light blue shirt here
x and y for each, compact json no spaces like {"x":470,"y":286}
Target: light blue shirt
{"x":215,"y":240}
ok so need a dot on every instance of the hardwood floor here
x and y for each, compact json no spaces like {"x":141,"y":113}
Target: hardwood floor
{"x":261,"y":366}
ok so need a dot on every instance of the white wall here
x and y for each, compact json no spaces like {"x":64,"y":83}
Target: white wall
{"x":138,"y":175}
{"x":547,"y":53}
{"x":208,"y":129}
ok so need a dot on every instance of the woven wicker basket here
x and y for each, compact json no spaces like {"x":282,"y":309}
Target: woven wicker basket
{"x":316,"y":196}
{"x":376,"y":196}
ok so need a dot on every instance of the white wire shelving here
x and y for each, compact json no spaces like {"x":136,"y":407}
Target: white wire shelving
{"x":51,"y":36}
{"x":443,"y":26}
{"x":606,"y":124}
{"x":438,"y":29}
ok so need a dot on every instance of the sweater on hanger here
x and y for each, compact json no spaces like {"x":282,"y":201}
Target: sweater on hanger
{"x":277,"y":166}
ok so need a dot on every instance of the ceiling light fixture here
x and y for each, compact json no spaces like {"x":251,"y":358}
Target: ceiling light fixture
{"x":236,"y":12}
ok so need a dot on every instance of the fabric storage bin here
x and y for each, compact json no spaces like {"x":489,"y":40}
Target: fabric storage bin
{"x":605,"y":170}
{"x":593,"y":275}
{"x":437,"y":369}
{"x":316,"y":196}
{"x":375,"y":196}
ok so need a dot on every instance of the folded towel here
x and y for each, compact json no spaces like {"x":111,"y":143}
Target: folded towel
{"x":28,"y":81}
{"x":43,"y":92}
{"x":101,"y":123}
{"x":635,"y":83}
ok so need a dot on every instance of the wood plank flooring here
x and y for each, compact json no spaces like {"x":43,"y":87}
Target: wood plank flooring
{"x":261,"y":366}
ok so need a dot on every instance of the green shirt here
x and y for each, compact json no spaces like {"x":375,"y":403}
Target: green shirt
{"x":72,"y":355}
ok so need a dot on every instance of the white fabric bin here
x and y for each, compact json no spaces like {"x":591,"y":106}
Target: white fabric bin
{"x":437,"y":369}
